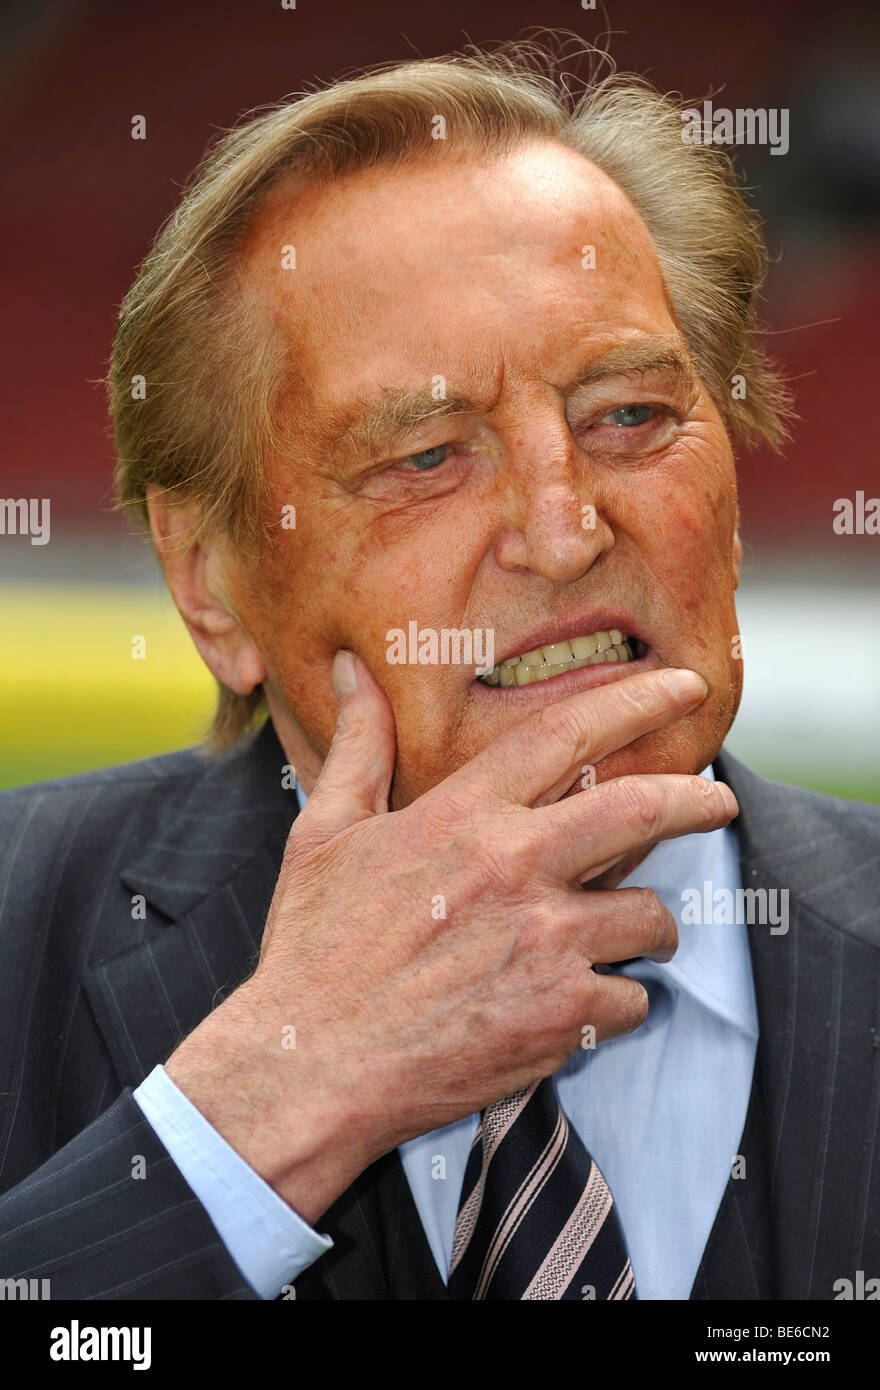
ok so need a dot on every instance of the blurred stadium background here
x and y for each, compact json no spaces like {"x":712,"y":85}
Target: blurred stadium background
{"x":82,"y":201}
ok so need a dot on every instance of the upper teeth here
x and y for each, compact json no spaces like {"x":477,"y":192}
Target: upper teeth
{"x":556,"y":657}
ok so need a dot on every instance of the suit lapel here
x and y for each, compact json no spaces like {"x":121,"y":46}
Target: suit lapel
{"x":812,"y":1115}
{"x":738,"y":1261}
{"x":205,"y":886}
{"x":149,"y":998}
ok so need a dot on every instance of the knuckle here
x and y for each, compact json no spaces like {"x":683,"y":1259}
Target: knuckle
{"x":638,"y":696}
{"x":540,"y":952}
{"x":486,"y":843}
{"x":492,"y":855}
{"x":659,"y":921}
{"x":565,"y":726}
{"x":705,"y":801}
{"x":451,"y":811}
{"x":641,"y":806}
{"x":575,"y":1001}
{"x":541,"y":929}
{"x":713,"y":804}
{"x":449,"y":825}
{"x":617,"y":1005}
{"x":510,"y":846}
{"x":639,"y":1004}
{"x":631,"y":1006}
{"x":433,"y":823}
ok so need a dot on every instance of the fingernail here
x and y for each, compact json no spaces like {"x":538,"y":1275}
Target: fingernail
{"x":730,"y":800}
{"x":343,"y":673}
{"x":685,"y":685}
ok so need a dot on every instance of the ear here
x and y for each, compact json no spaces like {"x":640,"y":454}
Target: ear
{"x":737,"y":552}
{"x":197,"y":569}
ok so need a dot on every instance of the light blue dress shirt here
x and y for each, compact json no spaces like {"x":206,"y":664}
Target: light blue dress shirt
{"x":661,"y":1110}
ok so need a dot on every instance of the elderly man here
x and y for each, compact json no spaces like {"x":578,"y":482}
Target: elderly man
{"x":426,"y":393}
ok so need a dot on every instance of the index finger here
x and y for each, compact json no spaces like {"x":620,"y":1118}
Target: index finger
{"x":543,"y":748}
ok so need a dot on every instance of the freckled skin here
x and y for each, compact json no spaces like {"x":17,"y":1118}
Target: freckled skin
{"x":472,"y":269}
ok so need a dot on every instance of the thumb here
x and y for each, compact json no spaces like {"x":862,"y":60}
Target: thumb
{"x":356,"y":777}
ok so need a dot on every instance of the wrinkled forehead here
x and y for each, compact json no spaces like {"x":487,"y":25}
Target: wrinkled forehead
{"x":442,"y":257}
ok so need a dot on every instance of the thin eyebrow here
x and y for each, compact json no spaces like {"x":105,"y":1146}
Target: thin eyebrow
{"x":374,"y":422}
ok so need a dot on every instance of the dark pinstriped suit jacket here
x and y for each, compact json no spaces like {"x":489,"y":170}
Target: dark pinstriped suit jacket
{"x":92,"y":998}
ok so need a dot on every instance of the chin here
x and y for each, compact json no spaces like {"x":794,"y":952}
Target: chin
{"x":666,"y":751}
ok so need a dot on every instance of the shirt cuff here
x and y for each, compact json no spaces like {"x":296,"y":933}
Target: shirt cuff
{"x":267,"y":1240}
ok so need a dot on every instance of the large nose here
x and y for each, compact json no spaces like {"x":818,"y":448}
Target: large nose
{"x":550,"y":518}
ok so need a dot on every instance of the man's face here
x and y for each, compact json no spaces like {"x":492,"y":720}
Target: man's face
{"x":526,"y":290}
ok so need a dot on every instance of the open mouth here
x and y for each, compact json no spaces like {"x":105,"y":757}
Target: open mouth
{"x":555,"y":659}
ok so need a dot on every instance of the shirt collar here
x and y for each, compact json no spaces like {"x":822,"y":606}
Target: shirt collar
{"x":712,"y":963}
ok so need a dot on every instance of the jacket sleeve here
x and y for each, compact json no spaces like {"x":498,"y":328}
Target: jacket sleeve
{"x":111,"y":1216}
{"x":269,"y":1242}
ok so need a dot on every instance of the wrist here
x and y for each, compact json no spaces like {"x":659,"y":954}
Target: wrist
{"x":293,"y":1129}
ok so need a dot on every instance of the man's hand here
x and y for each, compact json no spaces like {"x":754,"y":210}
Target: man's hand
{"x":427,"y":961}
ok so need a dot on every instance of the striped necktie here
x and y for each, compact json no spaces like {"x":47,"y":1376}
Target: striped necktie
{"x":536,"y":1218}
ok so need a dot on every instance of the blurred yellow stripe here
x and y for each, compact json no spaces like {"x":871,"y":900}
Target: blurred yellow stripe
{"x":73,"y":692}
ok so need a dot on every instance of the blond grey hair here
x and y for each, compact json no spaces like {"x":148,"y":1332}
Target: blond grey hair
{"x":215,"y":368}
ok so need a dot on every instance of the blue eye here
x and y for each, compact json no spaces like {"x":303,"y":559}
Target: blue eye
{"x":428,"y":458}
{"x":632,"y":415}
